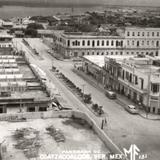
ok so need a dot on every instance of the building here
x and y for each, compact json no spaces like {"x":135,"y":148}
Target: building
{"x":144,"y":41}
{"x":80,"y":44}
{"x":112,"y":69}
{"x":93,"y":66}
{"x":139,"y":80}
{"x":128,"y":41}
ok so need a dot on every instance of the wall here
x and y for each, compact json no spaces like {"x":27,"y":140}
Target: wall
{"x":66,"y":114}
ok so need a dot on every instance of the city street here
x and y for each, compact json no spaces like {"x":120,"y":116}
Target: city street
{"x":123,"y":128}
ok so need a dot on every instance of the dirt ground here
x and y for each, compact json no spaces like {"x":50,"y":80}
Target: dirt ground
{"x":77,"y":137}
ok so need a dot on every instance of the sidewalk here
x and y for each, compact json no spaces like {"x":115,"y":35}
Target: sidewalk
{"x":121,"y":100}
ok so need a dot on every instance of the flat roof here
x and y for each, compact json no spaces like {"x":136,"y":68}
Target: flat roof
{"x":96,"y":59}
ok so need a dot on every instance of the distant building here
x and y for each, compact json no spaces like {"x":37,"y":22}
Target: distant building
{"x":79,"y":44}
{"x":131,"y":41}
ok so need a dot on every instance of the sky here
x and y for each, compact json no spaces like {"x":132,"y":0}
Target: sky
{"x":111,"y":2}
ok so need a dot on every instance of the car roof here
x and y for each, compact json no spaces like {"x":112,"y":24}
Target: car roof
{"x":131,"y":106}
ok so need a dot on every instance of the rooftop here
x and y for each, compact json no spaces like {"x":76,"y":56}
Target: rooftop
{"x":98,"y":60}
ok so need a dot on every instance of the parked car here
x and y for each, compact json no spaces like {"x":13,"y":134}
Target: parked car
{"x":131,"y":109}
{"x":110,"y":94}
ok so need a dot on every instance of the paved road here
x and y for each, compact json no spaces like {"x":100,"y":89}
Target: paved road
{"x":124,"y":129}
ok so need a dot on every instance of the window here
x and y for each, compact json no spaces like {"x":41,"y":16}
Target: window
{"x":138,"y":33}
{"x":156,"y":53}
{"x":153,"y":43}
{"x":88,"y":43}
{"x":107,"y":43}
{"x":137,"y":43}
{"x":133,"y":34}
{"x":93,"y":43}
{"x":112,"y":43}
{"x":102,"y":43}
{"x":117,"y":43}
{"x":92,"y":53}
{"x":122,"y":43}
{"x":88,"y":53}
{"x":97,"y":53}
{"x":82,"y":53}
{"x":83,"y":43}
{"x":136,"y":80}
{"x":128,"y":34}
{"x":157,"y":43}
{"x":143,"y":34}
{"x":102,"y":53}
{"x":157,"y":34}
{"x":97,"y":43}
{"x":128,"y":43}
{"x":155,"y":88}
{"x":68,"y":43}
{"x":121,"y":53}
{"x":111,"y":53}
{"x":153,"y":34}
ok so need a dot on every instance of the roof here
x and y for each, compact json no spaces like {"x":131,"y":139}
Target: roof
{"x":44,"y":31}
{"x":96,"y":59}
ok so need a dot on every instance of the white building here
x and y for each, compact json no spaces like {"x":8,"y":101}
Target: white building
{"x":81,"y":44}
{"x":142,"y":40}
{"x":140,"y":81}
{"x":131,"y":41}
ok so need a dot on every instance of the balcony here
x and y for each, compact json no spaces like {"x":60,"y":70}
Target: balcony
{"x":132,"y":86}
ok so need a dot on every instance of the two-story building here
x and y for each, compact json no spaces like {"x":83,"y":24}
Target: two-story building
{"x":130,"y":41}
{"x":140,"y":80}
{"x":140,"y":40}
{"x":80,"y":44}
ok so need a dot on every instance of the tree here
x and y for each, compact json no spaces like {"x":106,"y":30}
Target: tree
{"x":35,"y":26}
{"x":31,"y":32}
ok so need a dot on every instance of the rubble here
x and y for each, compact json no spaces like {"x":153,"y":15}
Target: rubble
{"x":28,"y":141}
{"x":56,"y":133}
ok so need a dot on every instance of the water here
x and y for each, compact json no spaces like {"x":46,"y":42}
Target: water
{"x":20,"y":11}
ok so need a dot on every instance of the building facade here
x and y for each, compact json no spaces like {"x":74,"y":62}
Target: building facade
{"x":73,"y":45}
{"x":139,"y":80}
{"x":131,"y":41}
